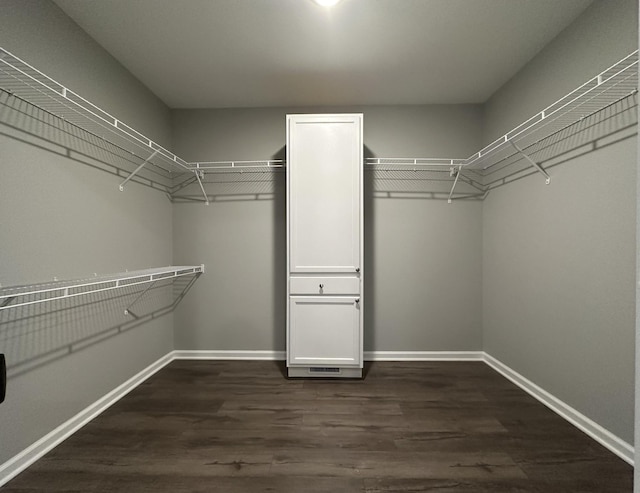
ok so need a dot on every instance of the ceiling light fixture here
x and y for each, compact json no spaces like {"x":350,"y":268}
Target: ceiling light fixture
{"x":326,"y":3}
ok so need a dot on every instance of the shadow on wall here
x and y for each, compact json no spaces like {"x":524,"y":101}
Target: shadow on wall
{"x":31,"y":125}
{"x":280,"y":254}
{"x":406,"y":181}
{"x":613,"y":123}
{"x":34,"y":335}
{"x":369,"y":257}
{"x":599,"y":129}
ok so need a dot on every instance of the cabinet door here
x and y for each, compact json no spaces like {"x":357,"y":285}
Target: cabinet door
{"x":324,"y":331}
{"x":324,"y":173}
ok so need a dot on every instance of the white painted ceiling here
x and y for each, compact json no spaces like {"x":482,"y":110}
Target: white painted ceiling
{"x":253,"y":53}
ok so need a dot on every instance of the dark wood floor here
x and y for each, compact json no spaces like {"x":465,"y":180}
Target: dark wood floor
{"x":207,"y":426}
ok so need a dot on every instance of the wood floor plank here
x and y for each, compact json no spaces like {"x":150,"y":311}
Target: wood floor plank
{"x":243,"y":426}
{"x":396,"y":465}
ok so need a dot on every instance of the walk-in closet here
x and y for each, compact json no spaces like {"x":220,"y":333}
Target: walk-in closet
{"x":302,"y":245}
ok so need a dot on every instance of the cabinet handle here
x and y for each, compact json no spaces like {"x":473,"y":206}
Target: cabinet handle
{"x":321,"y":286}
{"x":357,"y":300}
{"x":357,"y":269}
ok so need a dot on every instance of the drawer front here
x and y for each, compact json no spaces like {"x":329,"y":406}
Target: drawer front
{"x":324,"y":285}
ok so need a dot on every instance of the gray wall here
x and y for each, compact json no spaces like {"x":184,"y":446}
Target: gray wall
{"x":422,"y":256}
{"x":41,"y":34}
{"x":554,"y":264}
{"x":604,"y":34}
{"x":559,"y":260}
{"x":61,"y":218}
{"x":636,"y":471}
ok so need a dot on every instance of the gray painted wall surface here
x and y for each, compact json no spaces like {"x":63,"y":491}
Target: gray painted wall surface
{"x":636,"y":471}
{"x":559,"y":260}
{"x":422,"y":256}
{"x":554,"y":264}
{"x":62,"y":218}
{"x":604,"y":34}
{"x":44,"y":36}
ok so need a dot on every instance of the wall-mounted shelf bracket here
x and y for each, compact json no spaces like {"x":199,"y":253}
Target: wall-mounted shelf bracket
{"x":539,"y":168}
{"x":6,"y":301}
{"x":199,"y":176}
{"x":135,"y":171}
{"x":456,"y":173}
{"x":127,"y":310}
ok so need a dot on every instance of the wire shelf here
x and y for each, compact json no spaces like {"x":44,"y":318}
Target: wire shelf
{"x":93,"y":130}
{"x":411,"y":164}
{"x":239,"y":166}
{"x":29,"y":85}
{"x":16,"y":296}
{"x":605,"y":89}
{"x":21,"y":79}
{"x":612,"y":91}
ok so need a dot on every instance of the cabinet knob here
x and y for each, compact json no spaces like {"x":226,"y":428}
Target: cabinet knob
{"x":357,"y":269}
{"x":357,"y":300}
{"x":321,"y":286}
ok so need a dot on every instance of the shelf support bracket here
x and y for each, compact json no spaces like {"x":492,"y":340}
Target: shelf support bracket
{"x":539,"y":168}
{"x":6,"y":301}
{"x":127,"y":310}
{"x":135,"y":171}
{"x":206,"y":198}
{"x":455,"y":182}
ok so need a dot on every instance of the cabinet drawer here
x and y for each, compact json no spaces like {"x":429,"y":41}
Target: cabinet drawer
{"x":325,"y":285}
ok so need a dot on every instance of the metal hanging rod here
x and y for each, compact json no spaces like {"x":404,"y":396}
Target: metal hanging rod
{"x":17,"y":296}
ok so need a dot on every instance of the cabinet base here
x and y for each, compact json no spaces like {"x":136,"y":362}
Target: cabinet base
{"x":323,"y":372}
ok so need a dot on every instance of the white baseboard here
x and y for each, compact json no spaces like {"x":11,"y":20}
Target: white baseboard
{"x":368,"y":355}
{"x":230,"y":355}
{"x":24,"y":459}
{"x":423,"y":355}
{"x":615,"y":444}
{"x":28,"y":456}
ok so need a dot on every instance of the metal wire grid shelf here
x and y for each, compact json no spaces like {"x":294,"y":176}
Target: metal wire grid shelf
{"x":239,"y":166}
{"x":605,"y":89}
{"x":26,"y":83}
{"x":19,"y":78}
{"x":411,"y":163}
{"x":610,"y":87}
{"x":16,"y":296}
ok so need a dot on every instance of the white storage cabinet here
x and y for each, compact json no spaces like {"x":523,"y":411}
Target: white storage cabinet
{"x":325,"y":245}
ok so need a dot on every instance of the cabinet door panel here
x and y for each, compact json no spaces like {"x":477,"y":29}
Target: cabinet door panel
{"x":324,"y":172}
{"x":324,"y":331}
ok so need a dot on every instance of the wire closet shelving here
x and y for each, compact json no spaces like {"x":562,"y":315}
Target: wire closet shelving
{"x":620,"y":81}
{"x":17,"y":296}
{"x":31,"y":93}
{"x":20,"y":80}
{"x":604,"y":91}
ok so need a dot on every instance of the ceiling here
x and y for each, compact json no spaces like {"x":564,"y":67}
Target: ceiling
{"x":255,"y":53}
